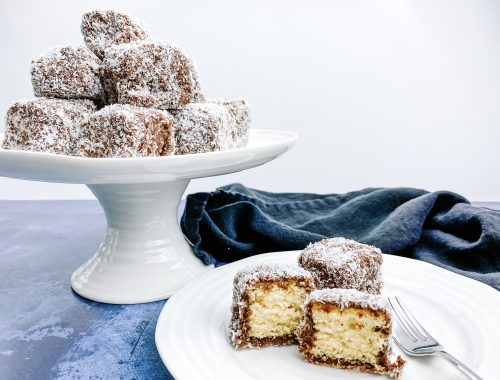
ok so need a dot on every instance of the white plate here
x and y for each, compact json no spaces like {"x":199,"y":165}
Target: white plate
{"x":191,"y":334}
{"x":264,"y":145}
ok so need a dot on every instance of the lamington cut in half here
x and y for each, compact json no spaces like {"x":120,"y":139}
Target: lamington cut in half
{"x":344,"y":263}
{"x":349,"y":329}
{"x":45,"y":124}
{"x":126,"y":131}
{"x":267,"y":301}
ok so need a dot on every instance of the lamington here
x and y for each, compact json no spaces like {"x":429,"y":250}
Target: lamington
{"x":267,"y":300}
{"x":103,"y":28}
{"x":151,"y":74}
{"x":240,"y":111}
{"x":45,"y":125}
{"x":344,"y":263}
{"x":68,"y":73}
{"x":126,"y":131}
{"x":349,"y":329}
{"x":203,"y":127}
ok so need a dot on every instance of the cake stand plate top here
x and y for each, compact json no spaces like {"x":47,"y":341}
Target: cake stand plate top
{"x":264,"y":145}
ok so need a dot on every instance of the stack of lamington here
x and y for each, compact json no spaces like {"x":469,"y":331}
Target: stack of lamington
{"x":123,"y":95}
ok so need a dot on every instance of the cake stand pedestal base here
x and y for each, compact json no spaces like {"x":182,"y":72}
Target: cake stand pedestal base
{"x":144,"y":256}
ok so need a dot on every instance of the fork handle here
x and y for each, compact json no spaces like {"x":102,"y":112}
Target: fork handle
{"x":460,"y":366}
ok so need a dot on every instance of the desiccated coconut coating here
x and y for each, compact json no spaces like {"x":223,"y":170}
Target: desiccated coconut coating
{"x":344,"y":298}
{"x":275,"y":280}
{"x":45,"y":125}
{"x":67,"y":72}
{"x":203,"y":127}
{"x":344,"y":263}
{"x":198,"y":96}
{"x":104,"y":28}
{"x":240,"y":111}
{"x":126,"y":131}
{"x":151,"y":74}
{"x":349,"y":329}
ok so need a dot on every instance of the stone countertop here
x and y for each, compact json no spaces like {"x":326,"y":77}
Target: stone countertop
{"x":46,"y":330}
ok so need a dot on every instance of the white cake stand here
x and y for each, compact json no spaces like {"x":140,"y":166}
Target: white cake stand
{"x":144,"y":256}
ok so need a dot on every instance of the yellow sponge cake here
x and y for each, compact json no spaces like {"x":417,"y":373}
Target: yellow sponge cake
{"x":267,"y":300}
{"x":349,"y":329}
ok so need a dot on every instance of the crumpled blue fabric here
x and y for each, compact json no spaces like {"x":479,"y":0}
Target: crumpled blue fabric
{"x":442,"y":228}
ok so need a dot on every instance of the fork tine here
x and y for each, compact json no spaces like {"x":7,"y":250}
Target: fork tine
{"x":419,"y":347}
{"x":403,"y":315}
{"x":399,"y":332}
{"x":402,"y":323}
{"x":416,"y":326}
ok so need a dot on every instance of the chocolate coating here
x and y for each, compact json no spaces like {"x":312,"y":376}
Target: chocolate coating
{"x":45,"y":124}
{"x":127,"y":131}
{"x":103,"y":28}
{"x":151,"y":74}
{"x":67,"y":72}
{"x":343,"y":263}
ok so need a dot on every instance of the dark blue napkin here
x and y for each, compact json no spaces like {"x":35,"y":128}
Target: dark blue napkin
{"x":441,"y":227}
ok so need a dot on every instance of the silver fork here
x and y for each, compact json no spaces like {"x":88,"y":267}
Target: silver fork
{"x":415,"y":340}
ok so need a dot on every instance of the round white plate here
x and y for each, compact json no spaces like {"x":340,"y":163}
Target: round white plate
{"x":191,"y":334}
{"x":263,"y":146}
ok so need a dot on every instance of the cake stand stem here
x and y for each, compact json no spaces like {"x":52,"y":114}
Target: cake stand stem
{"x":144,"y":256}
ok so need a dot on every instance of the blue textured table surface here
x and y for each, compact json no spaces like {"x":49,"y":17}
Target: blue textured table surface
{"x":46,"y":330}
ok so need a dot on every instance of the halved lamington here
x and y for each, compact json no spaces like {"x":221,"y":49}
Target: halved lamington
{"x":267,"y":300}
{"x":349,"y":329}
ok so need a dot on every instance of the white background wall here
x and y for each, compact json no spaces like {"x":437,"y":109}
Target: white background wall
{"x":382,"y":93}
